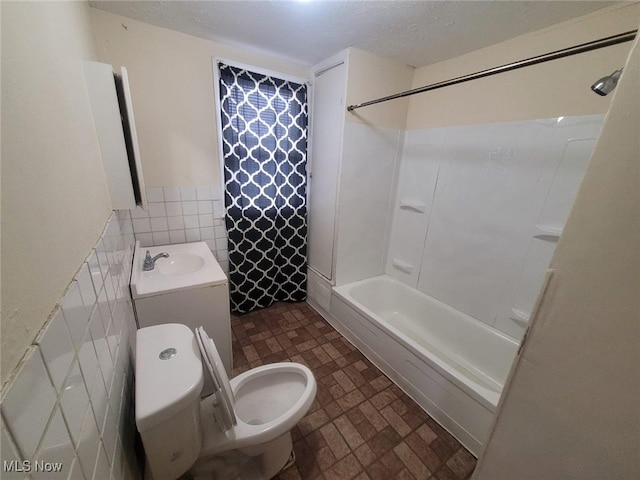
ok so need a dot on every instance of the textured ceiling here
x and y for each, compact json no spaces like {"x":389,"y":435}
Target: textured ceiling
{"x":417,"y":33}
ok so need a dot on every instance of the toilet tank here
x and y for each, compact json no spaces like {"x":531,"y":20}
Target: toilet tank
{"x":169,"y":379}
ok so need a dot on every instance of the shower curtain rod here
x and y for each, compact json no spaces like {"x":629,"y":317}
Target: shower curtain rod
{"x":565,"y":52}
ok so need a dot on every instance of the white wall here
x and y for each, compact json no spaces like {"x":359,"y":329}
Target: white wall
{"x":371,"y":76}
{"x":67,"y":316}
{"x":54,"y":194}
{"x":171,"y":80}
{"x":540,"y":91}
{"x":571,"y":408}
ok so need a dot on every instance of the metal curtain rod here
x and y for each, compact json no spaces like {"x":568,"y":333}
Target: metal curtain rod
{"x":565,"y":52}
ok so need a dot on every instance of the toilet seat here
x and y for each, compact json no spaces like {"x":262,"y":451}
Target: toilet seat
{"x":229,"y":428}
{"x":222,"y":397}
{"x":246,"y":433}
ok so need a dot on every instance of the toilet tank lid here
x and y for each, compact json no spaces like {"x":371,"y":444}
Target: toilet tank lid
{"x":168,"y":373}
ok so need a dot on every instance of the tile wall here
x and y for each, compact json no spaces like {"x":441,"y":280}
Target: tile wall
{"x":68,"y":412}
{"x":183,"y":214}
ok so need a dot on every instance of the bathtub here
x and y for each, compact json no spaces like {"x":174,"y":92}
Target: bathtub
{"x":451,"y":364}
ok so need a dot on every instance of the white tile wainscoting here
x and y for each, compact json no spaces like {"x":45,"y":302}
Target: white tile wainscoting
{"x":183,"y":214}
{"x":71,"y":400}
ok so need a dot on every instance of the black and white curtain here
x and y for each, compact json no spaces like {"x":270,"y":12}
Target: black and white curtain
{"x":264,"y":136}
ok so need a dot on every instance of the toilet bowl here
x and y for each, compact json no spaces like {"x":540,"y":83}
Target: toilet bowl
{"x":242,"y":430}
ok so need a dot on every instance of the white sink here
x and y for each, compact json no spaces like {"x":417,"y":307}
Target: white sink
{"x":188,"y":265}
{"x":179,"y":263}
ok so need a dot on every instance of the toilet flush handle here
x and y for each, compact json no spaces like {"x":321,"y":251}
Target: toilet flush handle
{"x":168,"y":353}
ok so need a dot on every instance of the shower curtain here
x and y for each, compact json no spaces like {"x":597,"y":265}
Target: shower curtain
{"x":264,"y":139}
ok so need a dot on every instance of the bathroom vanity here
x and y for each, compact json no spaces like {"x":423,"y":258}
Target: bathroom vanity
{"x":187,"y":287}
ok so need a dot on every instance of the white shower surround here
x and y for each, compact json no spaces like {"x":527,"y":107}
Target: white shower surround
{"x":479,"y":209}
{"x":367,"y":178}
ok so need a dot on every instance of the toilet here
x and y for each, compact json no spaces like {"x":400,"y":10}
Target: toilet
{"x":242,"y":430}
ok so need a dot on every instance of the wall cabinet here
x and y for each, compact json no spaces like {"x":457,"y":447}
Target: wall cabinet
{"x":112,"y":109}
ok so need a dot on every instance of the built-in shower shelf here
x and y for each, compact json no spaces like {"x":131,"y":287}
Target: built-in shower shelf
{"x":413,"y":206}
{"x":520,"y":317}
{"x":548,"y":232}
{"x":402,"y":265}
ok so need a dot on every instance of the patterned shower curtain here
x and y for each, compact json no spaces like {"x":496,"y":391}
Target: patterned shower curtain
{"x":264,"y":135}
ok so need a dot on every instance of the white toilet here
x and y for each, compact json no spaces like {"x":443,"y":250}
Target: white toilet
{"x":240,"y":431}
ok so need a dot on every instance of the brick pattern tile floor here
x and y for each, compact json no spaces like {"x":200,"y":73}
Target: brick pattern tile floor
{"x":360,"y":425}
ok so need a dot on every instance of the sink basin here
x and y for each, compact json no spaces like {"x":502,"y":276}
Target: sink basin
{"x":189,"y":265}
{"x":179,"y":264}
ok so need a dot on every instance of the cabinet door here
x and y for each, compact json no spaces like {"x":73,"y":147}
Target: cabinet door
{"x":326,"y":148}
{"x":131,"y":136}
{"x":118,"y":145}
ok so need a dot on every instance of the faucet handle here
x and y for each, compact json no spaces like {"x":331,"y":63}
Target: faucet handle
{"x":147,"y":264}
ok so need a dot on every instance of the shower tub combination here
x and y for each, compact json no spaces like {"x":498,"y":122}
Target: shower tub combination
{"x":451,"y":364}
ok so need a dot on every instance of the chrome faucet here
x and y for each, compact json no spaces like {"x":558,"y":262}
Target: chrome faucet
{"x":150,"y":262}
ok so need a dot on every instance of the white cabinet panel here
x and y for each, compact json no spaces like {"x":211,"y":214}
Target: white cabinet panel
{"x":112,"y":109}
{"x":326,"y":151}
